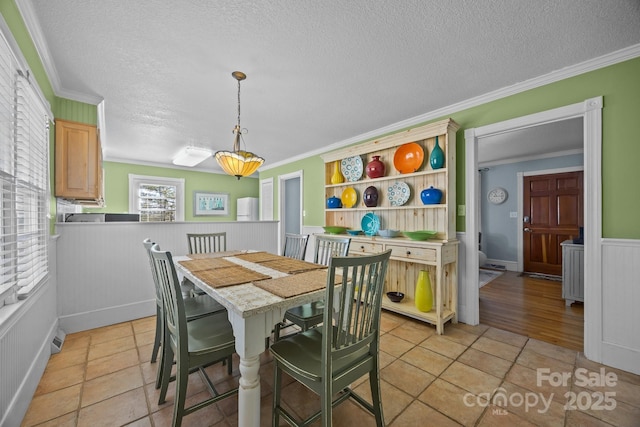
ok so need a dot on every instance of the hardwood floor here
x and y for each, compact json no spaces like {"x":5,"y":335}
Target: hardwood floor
{"x":534,"y":308}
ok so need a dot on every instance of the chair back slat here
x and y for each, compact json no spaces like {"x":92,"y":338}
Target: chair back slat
{"x":207,"y":242}
{"x":174,"y":311}
{"x":328,"y":247}
{"x":295,"y":245}
{"x":357,"y":316}
{"x":147,"y":246}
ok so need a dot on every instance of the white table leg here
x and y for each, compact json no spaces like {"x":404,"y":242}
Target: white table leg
{"x":249,"y":392}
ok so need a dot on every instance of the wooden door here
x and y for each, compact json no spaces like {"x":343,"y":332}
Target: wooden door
{"x":553,"y":213}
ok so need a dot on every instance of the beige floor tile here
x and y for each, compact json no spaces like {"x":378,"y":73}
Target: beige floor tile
{"x":470,"y":379}
{"x":450,"y":400}
{"x":110,"y":385}
{"x":149,"y":371}
{"x":111,"y":347}
{"x":52,"y":405}
{"x":145,"y":338}
{"x":414,"y":332}
{"x":533,"y":360}
{"x":68,"y":420}
{"x":547,"y":413}
{"x":460,"y":336}
{"x":206,"y":416}
{"x":394,"y":400}
{"x":622,"y":415}
{"x":109,"y":364}
{"x":485,"y":362}
{"x":536,"y":382}
{"x":394,"y":346}
{"x":76,"y":342}
{"x":67,"y":357}
{"x":56,"y":379}
{"x":115,"y":411}
{"x":497,"y":348}
{"x":580,"y":419}
{"x":583,"y":362}
{"x":419,"y":414}
{"x":143,"y":422}
{"x":506,"y":337}
{"x":427,"y":360}
{"x":390,"y":321}
{"x":495,"y":416}
{"x":144,"y":353}
{"x":144,"y":324}
{"x":557,"y":352}
{"x":194,"y":386}
{"x":443,"y":346}
{"x":406,"y":377}
{"x":472,"y":329}
{"x":111,"y":333}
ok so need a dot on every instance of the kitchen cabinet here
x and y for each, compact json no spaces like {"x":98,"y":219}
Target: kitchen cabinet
{"x":78,"y":163}
{"x":572,"y":272}
{"x":438,"y":255}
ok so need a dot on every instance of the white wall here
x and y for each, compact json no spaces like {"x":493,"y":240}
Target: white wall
{"x":103,"y":269}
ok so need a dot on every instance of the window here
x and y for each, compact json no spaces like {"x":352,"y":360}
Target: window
{"x":24,"y":181}
{"x":156,"y":199}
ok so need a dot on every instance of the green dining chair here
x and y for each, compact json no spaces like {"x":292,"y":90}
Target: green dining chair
{"x":309,"y":315}
{"x":194,"y":345}
{"x":195,"y":308}
{"x":295,"y":245}
{"x":329,"y":358}
{"x":201,"y":243}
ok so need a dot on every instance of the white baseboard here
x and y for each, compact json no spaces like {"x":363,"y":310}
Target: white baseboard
{"x":509,"y":265}
{"x":108,"y":316}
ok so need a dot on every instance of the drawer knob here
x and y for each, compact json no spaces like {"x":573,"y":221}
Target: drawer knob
{"x":362,"y":247}
{"x":408,"y":252}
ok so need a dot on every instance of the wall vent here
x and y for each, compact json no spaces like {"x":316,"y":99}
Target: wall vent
{"x":58,"y":340}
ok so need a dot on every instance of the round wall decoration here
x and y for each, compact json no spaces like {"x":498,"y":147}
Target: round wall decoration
{"x":497,"y":195}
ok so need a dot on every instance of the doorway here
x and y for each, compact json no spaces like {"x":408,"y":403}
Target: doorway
{"x":591,"y":112}
{"x":290,"y":206}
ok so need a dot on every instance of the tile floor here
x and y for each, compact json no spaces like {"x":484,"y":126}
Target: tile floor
{"x":471,"y":376}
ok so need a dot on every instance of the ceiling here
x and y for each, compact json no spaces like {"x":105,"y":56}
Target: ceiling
{"x":320,"y":73}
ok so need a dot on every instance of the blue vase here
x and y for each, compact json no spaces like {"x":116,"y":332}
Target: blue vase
{"x":431,"y":196}
{"x":437,"y":156}
{"x":333,"y":202}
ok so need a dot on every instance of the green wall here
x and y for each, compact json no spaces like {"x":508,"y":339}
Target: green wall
{"x":117,"y":188}
{"x":620,"y":87}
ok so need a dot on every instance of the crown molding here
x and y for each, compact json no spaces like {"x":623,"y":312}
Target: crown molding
{"x":612,"y":58}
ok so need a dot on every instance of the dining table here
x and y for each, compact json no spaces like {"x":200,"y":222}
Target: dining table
{"x":256,"y":288}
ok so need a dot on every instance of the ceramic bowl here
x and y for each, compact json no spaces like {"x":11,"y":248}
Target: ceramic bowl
{"x":395,"y":296}
{"x":408,"y":157}
{"x":388,"y":233}
{"x":354,"y":232}
{"x":419,"y":235}
{"x":333,"y":229}
{"x":370,"y":224}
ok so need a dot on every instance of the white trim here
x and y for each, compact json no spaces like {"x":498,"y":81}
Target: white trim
{"x":106,"y":316}
{"x":530,"y":158}
{"x":136,"y":180}
{"x":591,"y":112}
{"x":263,"y":199}
{"x":282,"y":200}
{"x":606,"y":60}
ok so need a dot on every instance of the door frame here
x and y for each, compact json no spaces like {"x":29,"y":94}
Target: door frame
{"x":520,"y":183}
{"x":591,"y":112}
{"x":282,"y":196}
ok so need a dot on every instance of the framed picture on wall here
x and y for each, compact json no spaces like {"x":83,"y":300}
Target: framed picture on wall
{"x":206,"y":203}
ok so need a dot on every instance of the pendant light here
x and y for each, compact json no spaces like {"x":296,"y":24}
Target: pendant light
{"x":238,"y":162}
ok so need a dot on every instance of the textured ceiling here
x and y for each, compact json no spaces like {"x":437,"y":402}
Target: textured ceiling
{"x":319,"y":72}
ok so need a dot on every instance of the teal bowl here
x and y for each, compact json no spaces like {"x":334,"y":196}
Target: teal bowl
{"x":420,"y":235}
{"x":354,"y":232}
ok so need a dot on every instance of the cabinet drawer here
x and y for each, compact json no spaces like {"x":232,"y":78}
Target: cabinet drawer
{"x":365,"y":247}
{"x":413,"y":253}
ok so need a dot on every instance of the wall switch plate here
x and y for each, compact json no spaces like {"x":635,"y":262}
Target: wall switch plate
{"x":462,"y":210}
{"x":513,"y":214}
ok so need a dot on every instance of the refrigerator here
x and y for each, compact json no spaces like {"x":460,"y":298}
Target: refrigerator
{"x":248,"y":209}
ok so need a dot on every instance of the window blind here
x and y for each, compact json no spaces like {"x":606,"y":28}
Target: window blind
{"x":24,"y":182}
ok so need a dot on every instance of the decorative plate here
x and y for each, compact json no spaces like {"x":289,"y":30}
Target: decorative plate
{"x":398,"y":194}
{"x":352,"y":168}
{"x":349,"y":197}
{"x":408,"y":157}
{"x":370,"y":224}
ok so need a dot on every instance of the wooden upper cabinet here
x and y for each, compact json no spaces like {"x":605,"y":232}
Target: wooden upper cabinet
{"x":78,"y":163}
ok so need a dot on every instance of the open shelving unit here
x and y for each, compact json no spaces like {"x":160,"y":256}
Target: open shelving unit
{"x":439,"y":255}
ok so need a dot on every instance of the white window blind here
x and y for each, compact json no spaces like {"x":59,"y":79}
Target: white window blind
{"x":24,"y":182}
{"x":156,"y":199}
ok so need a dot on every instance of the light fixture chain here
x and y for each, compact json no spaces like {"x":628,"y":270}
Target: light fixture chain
{"x":239,"y":105}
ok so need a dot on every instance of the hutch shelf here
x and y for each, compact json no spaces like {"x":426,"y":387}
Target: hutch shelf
{"x":439,"y":255}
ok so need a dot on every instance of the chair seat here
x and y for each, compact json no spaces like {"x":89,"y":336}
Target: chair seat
{"x":209,"y":334}
{"x":306,"y":315}
{"x":201,"y":305}
{"x":302,"y":354}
